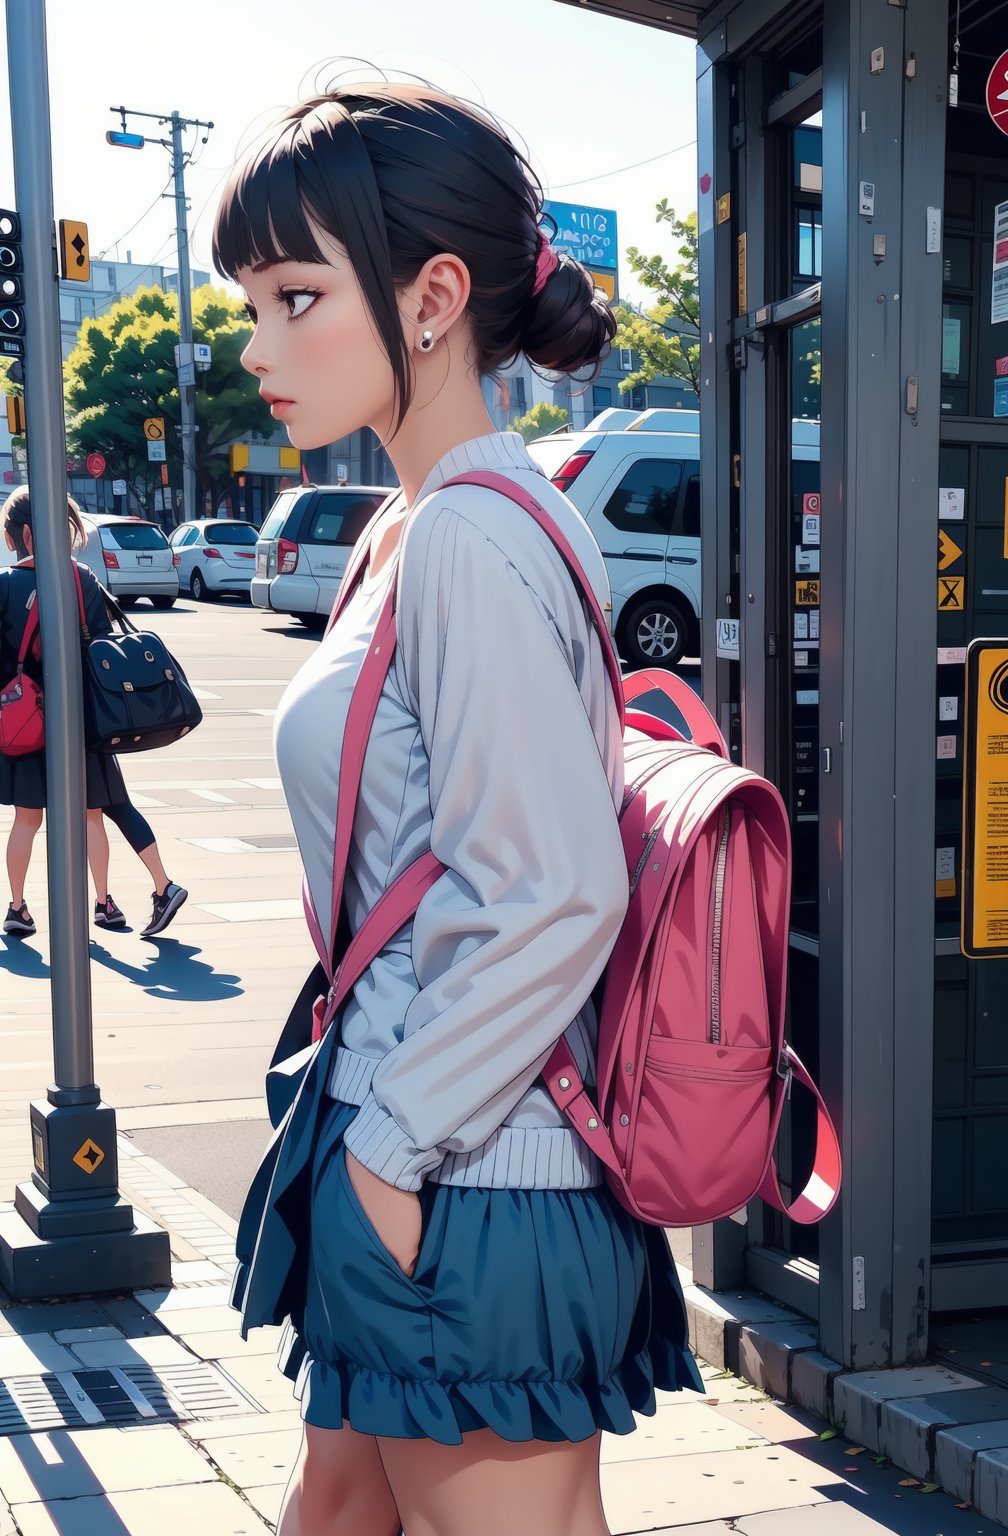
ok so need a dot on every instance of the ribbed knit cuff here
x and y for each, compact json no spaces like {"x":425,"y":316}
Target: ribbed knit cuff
{"x":377,"y":1141}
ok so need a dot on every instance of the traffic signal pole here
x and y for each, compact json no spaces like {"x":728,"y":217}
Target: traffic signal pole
{"x":71,"y":1233}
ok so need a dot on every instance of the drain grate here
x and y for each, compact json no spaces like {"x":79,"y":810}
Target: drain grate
{"x":128,"y":1394}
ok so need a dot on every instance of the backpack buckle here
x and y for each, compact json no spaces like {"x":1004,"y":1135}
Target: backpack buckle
{"x":785,"y":1072}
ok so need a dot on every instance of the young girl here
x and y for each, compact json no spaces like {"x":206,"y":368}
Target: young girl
{"x":469,"y":1308}
{"x":23,"y":780}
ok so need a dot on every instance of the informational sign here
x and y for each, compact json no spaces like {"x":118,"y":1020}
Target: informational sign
{"x":945,"y":881}
{"x":951,"y":345}
{"x":1001,"y":397}
{"x":156,"y":453}
{"x":951,"y":503}
{"x":948,"y":550}
{"x":997,"y":93}
{"x":811,"y":504}
{"x":1001,"y":367}
{"x":946,"y":748}
{"x":999,"y":277}
{"x":164,"y":474}
{"x":948,"y":707}
{"x":984,"y":930}
{"x":118,"y":487}
{"x":806,"y":561}
{"x":728,"y":639}
{"x":95,"y":463}
{"x":806,"y":594}
{"x":587,"y":234}
{"x":724,"y":208}
{"x":810,"y":528}
{"x":951,"y":594}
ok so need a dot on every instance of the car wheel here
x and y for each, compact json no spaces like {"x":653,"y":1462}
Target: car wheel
{"x":313,"y":621}
{"x":163,"y":602}
{"x":198,"y":587}
{"x":654,"y":633}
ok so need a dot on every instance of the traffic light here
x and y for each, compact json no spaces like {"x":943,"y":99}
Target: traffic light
{"x":12,"y":323}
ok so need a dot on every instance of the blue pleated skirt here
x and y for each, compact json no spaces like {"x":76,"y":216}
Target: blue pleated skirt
{"x":538,"y":1314}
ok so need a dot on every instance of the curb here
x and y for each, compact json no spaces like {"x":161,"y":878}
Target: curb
{"x":936,"y":1424}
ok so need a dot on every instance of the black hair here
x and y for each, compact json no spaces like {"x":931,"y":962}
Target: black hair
{"x":15,"y":517}
{"x":397,"y":174}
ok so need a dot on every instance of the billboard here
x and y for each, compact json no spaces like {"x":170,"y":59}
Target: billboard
{"x":587,"y":234}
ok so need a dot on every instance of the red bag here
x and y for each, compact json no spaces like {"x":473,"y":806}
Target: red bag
{"x":22,"y":702}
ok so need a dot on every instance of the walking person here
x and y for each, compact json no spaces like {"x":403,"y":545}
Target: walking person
{"x":23,"y":779}
{"x":468,"y":1306}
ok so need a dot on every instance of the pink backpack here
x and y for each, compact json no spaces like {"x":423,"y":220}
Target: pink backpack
{"x":692,"y":1066}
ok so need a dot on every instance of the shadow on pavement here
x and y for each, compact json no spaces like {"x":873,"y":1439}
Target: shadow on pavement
{"x":174,"y":974}
{"x":20,"y":959}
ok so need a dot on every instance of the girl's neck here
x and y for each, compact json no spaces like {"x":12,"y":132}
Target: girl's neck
{"x":447,"y":410}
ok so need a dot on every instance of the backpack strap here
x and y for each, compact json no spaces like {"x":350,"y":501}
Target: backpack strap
{"x":703,"y":727}
{"x":32,"y":623}
{"x":823,"y":1184}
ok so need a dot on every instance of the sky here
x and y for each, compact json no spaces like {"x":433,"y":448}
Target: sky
{"x":590,"y":97}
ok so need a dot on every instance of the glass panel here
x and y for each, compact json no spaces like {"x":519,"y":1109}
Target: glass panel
{"x":955,"y":352}
{"x":808,"y":252}
{"x":231,"y":533}
{"x":990,"y":1187}
{"x":950,"y":1048}
{"x":807,"y":152}
{"x":278,"y":514}
{"x":959,"y":197}
{"x":991,"y":1048}
{"x":339,"y":519}
{"x":957,"y":262}
{"x":691,"y":508}
{"x":134,"y":536}
{"x":948,"y":1167}
{"x":806,"y":371}
{"x":645,"y":499}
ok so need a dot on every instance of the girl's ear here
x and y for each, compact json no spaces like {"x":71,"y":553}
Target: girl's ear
{"x":436,"y":299}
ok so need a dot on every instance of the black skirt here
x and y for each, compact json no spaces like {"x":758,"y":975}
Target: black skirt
{"x":23,"y":781}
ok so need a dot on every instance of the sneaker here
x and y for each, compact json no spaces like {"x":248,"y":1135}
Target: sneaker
{"x":165,"y":908}
{"x":19,"y":921}
{"x":108,"y":915}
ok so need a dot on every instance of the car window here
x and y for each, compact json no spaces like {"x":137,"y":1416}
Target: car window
{"x":278,"y":515}
{"x":645,"y":499}
{"x":339,"y":517}
{"x":230,"y":533}
{"x":134,"y":536}
{"x":691,"y":508}
{"x":185,"y":536}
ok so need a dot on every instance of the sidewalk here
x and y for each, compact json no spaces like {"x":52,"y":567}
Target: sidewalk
{"x":148,"y":1416}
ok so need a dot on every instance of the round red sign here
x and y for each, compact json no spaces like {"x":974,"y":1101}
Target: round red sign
{"x":96,"y":464}
{"x":997,"y":93}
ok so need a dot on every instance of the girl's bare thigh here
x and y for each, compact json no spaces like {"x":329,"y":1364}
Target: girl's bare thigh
{"x":495,"y":1486}
{"x":338,"y":1488}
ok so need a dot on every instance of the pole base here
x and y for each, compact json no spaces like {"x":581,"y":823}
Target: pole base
{"x":34,"y":1268}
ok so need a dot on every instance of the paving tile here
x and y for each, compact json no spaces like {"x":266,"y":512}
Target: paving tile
{"x":229,"y":1344}
{"x":86,"y":1335}
{"x":831,"y":1519}
{"x":258,"y":1376}
{"x":152,"y":1351}
{"x":720,"y":1486}
{"x":906,"y":1429}
{"x":67,"y":1464}
{"x":276,"y":1422}
{"x":197,"y":1272}
{"x":858,"y":1395}
{"x":204,"y":1508}
{"x":812,"y":1377}
{"x":7,"y":1527}
{"x":266,"y":1499}
{"x":32,"y":1354}
{"x":203,"y":1320}
{"x":684,"y":1431}
{"x":159,"y":1302}
{"x":784,"y":1426}
{"x":47,"y":1316}
{"x":256,"y":1461}
{"x":955,"y":1450}
{"x":716,"y":1321}
{"x":134,"y":1320}
{"x":765,"y":1353}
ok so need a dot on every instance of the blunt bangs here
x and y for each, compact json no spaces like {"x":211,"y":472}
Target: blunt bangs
{"x":262,"y":215}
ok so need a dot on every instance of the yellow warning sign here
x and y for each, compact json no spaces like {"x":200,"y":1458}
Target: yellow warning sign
{"x":806,"y":594}
{"x":985,"y":802}
{"x":948,"y":550}
{"x":89,"y":1157}
{"x":154,"y":429}
{"x":951,"y":594}
{"x":75,"y":254}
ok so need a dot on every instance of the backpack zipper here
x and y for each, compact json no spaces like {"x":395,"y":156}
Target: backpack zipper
{"x":719,"y":884}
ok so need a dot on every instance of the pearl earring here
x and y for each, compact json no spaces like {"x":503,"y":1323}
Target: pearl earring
{"x":427,"y":341}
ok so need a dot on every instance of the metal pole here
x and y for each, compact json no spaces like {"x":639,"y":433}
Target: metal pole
{"x":70,"y":980}
{"x":187,"y":391}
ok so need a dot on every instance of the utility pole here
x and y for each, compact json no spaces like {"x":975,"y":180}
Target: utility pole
{"x":70,"y":1232}
{"x":186,"y":359}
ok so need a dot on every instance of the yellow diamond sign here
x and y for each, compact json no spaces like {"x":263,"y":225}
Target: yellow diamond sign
{"x":89,"y":1157}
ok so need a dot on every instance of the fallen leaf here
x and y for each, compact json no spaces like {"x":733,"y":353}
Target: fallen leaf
{"x":965,"y":1505}
{"x":986,"y":1362}
{"x":881,"y":1461}
{"x":855,"y":1450}
{"x":930,"y":1487}
{"x":713,"y":1401}
{"x":909,"y":1482}
{"x":828,"y":1434}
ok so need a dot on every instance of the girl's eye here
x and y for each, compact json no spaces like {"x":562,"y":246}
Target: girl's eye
{"x":250,"y":311}
{"x":298,"y":300}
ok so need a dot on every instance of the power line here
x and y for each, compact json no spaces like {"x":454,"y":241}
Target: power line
{"x":604,"y":175}
{"x":140,"y":220}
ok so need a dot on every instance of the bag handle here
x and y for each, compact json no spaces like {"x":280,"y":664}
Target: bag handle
{"x":703,"y":727}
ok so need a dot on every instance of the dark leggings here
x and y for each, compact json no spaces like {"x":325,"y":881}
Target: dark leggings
{"x":136,"y":829}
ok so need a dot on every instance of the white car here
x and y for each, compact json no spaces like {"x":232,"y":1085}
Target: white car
{"x":131,"y":558}
{"x":214,"y":555}
{"x":635,"y":477}
{"x":304,"y":546}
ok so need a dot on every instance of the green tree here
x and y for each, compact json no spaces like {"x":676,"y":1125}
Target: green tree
{"x":665,"y":334}
{"x":122,"y":371}
{"x":543,"y":418}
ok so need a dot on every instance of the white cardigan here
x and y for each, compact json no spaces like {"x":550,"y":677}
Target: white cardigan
{"x":497,"y":744}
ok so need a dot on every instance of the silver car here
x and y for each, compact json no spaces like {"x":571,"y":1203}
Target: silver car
{"x":304,"y":546}
{"x":131,"y":558}
{"x":214,"y":555}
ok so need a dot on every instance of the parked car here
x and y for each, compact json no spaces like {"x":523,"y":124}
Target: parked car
{"x":214,"y":555}
{"x":635,"y":476}
{"x":304,"y":545}
{"x":131,"y":557}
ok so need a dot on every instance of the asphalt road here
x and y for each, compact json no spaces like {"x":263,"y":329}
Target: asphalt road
{"x":184,"y":1026}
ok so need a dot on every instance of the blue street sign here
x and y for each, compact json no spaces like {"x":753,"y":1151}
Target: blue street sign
{"x":587,"y":234}
{"x":125,"y":140}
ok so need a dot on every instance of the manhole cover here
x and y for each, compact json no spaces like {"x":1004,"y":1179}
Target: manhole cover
{"x":129,"y":1394}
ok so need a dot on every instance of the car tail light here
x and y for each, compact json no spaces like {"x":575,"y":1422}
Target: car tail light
{"x":213,"y":554}
{"x":569,"y":471}
{"x":287,"y":557}
{"x":111,"y":560}
{"x":176,"y":559}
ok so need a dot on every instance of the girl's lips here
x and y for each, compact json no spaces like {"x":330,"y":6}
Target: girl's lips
{"x":280,"y":407}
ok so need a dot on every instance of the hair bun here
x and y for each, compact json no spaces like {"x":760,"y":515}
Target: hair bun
{"x":568,"y":323}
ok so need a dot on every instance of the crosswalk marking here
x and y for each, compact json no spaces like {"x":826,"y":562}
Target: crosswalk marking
{"x":209,"y":794}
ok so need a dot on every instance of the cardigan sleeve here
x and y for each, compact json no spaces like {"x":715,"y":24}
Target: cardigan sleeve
{"x":509,"y":943}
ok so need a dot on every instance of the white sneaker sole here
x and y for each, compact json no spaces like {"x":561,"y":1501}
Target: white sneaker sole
{"x":177,"y":901}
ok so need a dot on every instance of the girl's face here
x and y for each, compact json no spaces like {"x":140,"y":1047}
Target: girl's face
{"x":316,"y":352}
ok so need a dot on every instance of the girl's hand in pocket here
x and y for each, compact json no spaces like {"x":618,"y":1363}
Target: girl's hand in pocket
{"x":394,"y":1213}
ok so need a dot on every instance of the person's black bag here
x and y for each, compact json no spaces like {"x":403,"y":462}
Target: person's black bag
{"x":135,"y":693}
